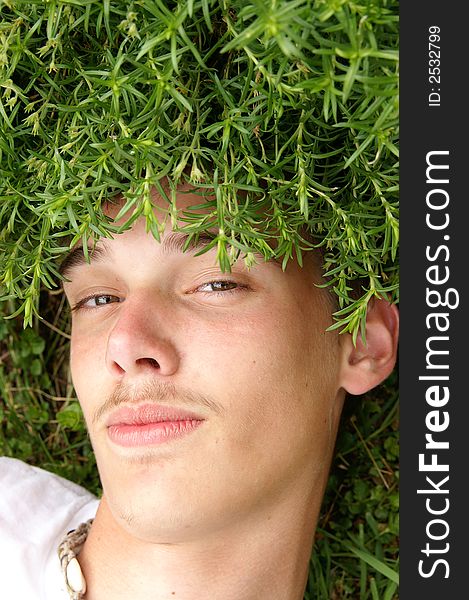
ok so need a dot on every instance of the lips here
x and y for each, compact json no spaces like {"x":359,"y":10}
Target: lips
{"x":150,"y":424}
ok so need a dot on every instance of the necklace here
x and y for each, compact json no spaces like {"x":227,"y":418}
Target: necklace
{"x":68,"y":551}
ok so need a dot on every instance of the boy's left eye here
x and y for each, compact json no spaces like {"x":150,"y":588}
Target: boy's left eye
{"x":219,"y":286}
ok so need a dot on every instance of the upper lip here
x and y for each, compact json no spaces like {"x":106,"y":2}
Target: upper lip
{"x":144,"y":414}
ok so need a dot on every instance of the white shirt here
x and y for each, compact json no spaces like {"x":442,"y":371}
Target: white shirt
{"x":37,"y":509}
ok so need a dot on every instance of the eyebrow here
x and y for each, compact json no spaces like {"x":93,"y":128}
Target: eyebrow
{"x":171,"y":243}
{"x":76,"y":258}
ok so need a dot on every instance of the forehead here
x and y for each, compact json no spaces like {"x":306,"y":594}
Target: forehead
{"x":135,"y":244}
{"x":138,"y":245}
{"x":137,"y":235}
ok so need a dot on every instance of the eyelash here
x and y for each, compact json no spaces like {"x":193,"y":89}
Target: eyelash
{"x":80,"y":304}
{"x":239,"y":287}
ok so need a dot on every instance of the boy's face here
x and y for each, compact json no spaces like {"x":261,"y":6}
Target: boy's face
{"x":210,"y":397}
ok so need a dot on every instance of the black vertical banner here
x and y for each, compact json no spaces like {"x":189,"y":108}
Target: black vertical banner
{"x":434,"y":349}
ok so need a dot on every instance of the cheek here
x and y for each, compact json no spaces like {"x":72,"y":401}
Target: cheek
{"x":275,"y":384}
{"x":86,"y":365}
{"x":264,"y":365}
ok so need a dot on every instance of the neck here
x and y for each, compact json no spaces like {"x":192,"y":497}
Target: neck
{"x":264,"y":558}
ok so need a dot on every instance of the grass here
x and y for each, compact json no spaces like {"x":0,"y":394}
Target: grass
{"x":356,"y":549}
{"x":299,"y":98}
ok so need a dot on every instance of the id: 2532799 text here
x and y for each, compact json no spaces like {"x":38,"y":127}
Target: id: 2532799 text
{"x":434,"y":71}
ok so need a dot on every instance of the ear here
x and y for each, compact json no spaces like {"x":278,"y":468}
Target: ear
{"x":366,"y":365}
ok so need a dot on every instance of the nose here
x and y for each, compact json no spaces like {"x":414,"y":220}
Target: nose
{"x":137,"y":344}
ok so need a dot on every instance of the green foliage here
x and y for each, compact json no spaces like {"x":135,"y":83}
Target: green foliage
{"x":282,"y":112}
{"x":40,"y":419}
{"x":356,"y":550}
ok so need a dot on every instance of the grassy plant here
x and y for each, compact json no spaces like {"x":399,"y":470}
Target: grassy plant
{"x":356,"y":550}
{"x":40,"y":419}
{"x":283,"y":113}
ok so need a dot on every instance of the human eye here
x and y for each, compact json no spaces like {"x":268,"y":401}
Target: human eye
{"x":221,"y":287}
{"x":95,"y":301}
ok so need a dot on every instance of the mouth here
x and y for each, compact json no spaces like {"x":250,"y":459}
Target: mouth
{"x":150,"y":425}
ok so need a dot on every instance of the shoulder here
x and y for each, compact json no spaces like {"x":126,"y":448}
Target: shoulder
{"x":24,"y":487}
{"x":30,"y":495}
{"x":37,"y":508}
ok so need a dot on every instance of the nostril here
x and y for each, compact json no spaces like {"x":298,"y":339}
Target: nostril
{"x":150,"y":361}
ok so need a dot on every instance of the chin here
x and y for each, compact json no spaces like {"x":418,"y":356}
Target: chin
{"x":158,"y":522}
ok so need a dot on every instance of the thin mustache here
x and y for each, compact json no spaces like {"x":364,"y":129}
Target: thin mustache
{"x":155,"y":392}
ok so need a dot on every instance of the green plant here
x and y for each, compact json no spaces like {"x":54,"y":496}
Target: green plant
{"x":283,"y":114}
{"x":40,"y":419}
{"x":356,"y":551}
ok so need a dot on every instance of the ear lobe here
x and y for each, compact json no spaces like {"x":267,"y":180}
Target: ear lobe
{"x":366,"y":365}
